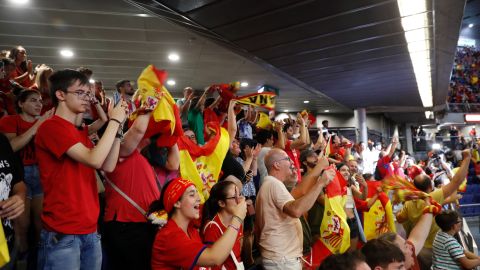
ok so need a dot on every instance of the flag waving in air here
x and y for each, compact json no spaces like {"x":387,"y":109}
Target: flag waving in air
{"x":379,"y":218}
{"x":334,"y":230}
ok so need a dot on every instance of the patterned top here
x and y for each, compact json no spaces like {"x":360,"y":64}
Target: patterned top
{"x":446,"y":252}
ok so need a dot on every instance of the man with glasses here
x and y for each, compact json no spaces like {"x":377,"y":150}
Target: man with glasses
{"x":67,"y":161}
{"x":277,"y":223}
{"x":447,"y":252}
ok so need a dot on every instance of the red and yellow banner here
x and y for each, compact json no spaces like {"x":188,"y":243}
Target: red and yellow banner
{"x":265,"y":100}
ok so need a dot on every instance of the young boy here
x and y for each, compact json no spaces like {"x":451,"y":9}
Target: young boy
{"x":447,"y":252}
{"x":67,"y":162}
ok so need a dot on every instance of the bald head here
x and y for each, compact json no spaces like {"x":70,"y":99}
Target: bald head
{"x":273,"y":156}
{"x":423,"y":182}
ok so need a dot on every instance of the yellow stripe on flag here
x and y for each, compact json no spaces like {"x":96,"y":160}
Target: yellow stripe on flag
{"x":204,"y":171}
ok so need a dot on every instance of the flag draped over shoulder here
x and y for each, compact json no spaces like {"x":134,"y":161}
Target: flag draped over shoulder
{"x":202,"y":164}
{"x":265,"y":100}
{"x":379,"y":219}
{"x":334,"y":230}
{"x":165,"y":114}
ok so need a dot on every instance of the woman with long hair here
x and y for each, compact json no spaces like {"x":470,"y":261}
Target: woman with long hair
{"x":217,"y":214}
{"x":178,"y":244}
{"x":20,"y":129}
{"x":24,"y":72}
{"x":41,"y":84}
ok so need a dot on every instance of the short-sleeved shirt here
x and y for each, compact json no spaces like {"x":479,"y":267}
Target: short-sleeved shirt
{"x":70,"y":204}
{"x":382,"y":165}
{"x":279,"y":235}
{"x":135,"y":177}
{"x":15,"y":124}
{"x":446,"y":252}
{"x":174,"y":249}
{"x":212,"y":233}
{"x":294,"y":154}
{"x":244,"y":129}
{"x":412,"y":211}
{"x":11,"y":173}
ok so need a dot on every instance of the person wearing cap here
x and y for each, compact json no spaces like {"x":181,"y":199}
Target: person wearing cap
{"x":178,"y":244}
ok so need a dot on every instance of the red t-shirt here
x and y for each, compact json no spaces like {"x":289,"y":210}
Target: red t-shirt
{"x":413,"y":171}
{"x":212,"y":234}
{"x":70,"y":204}
{"x":15,"y":124}
{"x":293,"y":154}
{"x":174,"y":249}
{"x":26,"y":82}
{"x":134,"y":176}
{"x":382,"y":166}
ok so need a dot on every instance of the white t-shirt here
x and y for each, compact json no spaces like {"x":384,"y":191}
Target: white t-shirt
{"x":279,"y":235}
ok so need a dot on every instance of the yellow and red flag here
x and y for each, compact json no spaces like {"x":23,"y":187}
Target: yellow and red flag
{"x":379,"y":219}
{"x":202,"y":164}
{"x":152,"y":93}
{"x":265,"y":100}
{"x":334,"y":230}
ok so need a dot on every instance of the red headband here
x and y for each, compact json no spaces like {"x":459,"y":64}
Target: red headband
{"x":174,"y":191}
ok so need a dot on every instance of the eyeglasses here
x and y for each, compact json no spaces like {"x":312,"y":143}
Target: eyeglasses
{"x":192,"y":137}
{"x":285,"y":158}
{"x":81,"y":94}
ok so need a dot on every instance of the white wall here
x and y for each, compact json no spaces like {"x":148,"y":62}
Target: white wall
{"x":374,"y":121}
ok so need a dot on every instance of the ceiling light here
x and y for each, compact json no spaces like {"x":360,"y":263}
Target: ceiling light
{"x":91,"y":81}
{"x":470,"y":25}
{"x":327,"y":111}
{"x":285,"y":110}
{"x":143,"y":15}
{"x":415,"y":25}
{"x":306,"y":101}
{"x":19,"y":2}
{"x":429,"y":115}
{"x":244,"y":84}
{"x":66,"y":53}
{"x":261,"y":89}
{"x":171,"y":82}
{"x":173,"y":57}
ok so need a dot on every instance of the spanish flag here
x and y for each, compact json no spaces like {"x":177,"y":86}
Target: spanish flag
{"x":334,"y":230}
{"x":463,"y":185}
{"x":165,"y":115}
{"x":379,"y":218}
{"x":202,"y":164}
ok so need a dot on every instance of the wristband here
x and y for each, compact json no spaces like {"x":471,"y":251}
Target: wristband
{"x":238,"y":218}
{"x":235,"y":228}
{"x":116,"y":120}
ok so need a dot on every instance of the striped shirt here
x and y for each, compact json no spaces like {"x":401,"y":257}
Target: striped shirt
{"x":446,"y":252}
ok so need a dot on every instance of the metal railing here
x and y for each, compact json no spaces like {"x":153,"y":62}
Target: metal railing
{"x":463,"y":107}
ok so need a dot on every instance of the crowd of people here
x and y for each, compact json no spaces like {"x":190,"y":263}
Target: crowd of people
{"x":464,"y":86}
{"x":96,"y":182}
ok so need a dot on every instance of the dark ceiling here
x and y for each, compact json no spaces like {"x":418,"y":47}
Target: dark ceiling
{"x":353,"y":51}
{"x":471,"y":16}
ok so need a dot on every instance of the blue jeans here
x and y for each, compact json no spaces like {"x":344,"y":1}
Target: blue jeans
{"x":32,"y":180}
{"x":69,"y":251}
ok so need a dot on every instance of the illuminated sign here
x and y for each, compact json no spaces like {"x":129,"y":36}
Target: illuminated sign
{"x":472,"y":117}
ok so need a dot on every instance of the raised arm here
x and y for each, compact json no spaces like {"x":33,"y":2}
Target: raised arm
{"x":220,"y":250}
{"x":96,"y":156}
{"x":461,"y":174}
{"x":19,"y":141}
{"x":102,"y":117}
{"x":232,"y":123}
{"x":419,"y":233}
